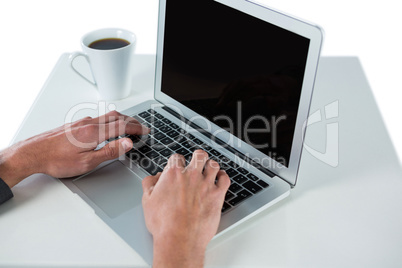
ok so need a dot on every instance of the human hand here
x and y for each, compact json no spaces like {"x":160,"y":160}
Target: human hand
{"x":69,"y":150}
{"x":182,"y":209}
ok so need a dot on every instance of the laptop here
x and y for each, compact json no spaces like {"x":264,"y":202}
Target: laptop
{"x":233,"y":78}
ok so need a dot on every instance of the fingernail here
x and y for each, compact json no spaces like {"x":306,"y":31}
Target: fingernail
{"x":126,"y":144}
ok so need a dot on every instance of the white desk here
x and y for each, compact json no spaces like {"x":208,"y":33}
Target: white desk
{"x":348,"y":216}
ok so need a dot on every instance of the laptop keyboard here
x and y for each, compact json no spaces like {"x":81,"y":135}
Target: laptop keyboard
{"x":152,"y":152}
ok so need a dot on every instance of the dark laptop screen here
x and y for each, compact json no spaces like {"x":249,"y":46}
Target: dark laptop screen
{"x":240,"y":72}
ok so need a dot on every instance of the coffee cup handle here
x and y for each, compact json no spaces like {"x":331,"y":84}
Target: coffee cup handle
{"x":75,"y":55}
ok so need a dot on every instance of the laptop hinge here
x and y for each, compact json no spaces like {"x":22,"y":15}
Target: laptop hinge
{"x":221,"y":143}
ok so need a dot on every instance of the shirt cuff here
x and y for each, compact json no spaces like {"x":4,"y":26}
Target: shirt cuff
{"x":5,"y":192}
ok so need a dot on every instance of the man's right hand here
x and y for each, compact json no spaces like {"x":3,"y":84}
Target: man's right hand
{"x":182,"y":208}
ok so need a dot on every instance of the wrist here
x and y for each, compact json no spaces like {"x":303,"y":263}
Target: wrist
{"x":15,"y":165}
{"x":174,"y":251}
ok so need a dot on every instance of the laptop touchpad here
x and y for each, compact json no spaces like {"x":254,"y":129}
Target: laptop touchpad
{"x":114,"y":188}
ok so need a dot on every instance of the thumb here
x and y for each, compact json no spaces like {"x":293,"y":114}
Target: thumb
{"x":148,"y":183}
{"x":113,"y":150}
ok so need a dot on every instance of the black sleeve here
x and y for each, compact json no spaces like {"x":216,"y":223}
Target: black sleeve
{"x":5,"y":192}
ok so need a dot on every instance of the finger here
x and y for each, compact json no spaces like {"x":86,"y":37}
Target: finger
{"x":111,"y":117}
{"x":176,"y":161}
{"x":223,"y":181}
{"x":148,"y":183}
{"x":119,"y":127}
{"x":136,"y":129}
{"x":112,"y":150}
{"x":211,"y":169}
{"x":104,"y":119}
{"x":198,"y":160}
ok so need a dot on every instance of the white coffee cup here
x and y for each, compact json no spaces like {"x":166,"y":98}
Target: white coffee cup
{"x":111,"y":68}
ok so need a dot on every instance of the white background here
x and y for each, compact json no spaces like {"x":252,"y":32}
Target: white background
{"x":33,"y":34}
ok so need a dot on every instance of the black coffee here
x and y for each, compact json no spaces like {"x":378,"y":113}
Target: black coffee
{"x":109,"y":43}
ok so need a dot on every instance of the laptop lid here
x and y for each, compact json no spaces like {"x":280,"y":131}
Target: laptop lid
{"x":242,"y":72}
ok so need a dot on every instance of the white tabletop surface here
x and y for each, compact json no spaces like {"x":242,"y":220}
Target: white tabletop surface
{"x":344,"y":215}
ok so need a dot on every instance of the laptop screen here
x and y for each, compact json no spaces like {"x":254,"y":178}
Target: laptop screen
{"x":240,"y":72}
